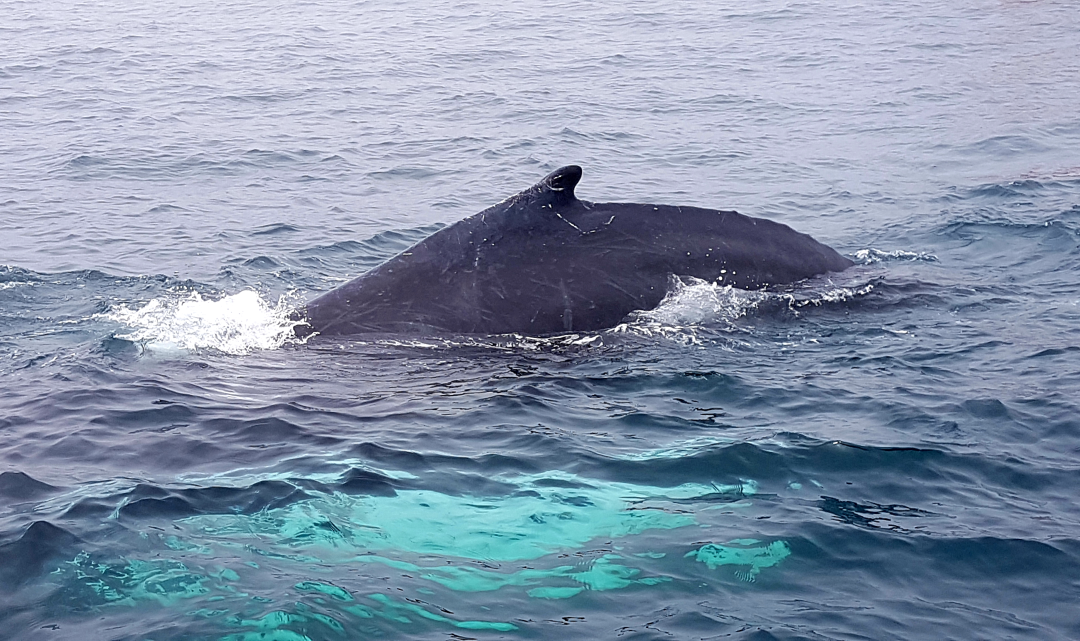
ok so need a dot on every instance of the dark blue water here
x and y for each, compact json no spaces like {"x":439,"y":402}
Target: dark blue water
{"x":887,"y":453}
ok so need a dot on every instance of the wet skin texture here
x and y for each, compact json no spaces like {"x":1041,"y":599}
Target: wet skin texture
{"x":543,"y":262}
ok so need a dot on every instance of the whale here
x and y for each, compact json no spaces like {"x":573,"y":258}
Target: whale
{"x":544,"y":262}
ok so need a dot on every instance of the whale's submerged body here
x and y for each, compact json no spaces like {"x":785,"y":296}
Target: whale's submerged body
{"x":544,"y":262}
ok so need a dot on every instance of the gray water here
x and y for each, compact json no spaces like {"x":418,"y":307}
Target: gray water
{"x":890,"y":454}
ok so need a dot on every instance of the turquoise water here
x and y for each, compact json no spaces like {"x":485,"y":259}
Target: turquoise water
{"x":888,"y":453}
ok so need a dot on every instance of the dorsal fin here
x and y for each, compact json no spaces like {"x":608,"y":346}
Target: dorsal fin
{"x":563,"y":180}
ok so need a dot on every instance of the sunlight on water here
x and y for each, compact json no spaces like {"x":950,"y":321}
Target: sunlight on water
{"x":683,"y":448}
{"x":236,"y":324}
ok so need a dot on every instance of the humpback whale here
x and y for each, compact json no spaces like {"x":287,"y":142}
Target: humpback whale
{"x":544,"y":262}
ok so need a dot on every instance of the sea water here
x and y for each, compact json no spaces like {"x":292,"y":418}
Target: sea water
{"x":886,"y":453}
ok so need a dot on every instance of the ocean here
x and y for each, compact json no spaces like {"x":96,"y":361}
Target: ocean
{"x":888,"y":453}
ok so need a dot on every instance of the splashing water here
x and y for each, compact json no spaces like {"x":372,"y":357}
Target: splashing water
{"x":834,"y":295}
{"x":871,"y":256}
{"x":236,"y":324}
{"x":692,"y":301}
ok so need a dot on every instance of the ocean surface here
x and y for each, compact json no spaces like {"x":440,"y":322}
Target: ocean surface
{"x":888,"y":453}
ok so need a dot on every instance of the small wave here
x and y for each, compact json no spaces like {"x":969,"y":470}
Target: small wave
{"x":237,"y":324}
{"x":870,"y":256}
{"x":508,"y":343}
{"x":276,"y":228}
{"x":679,"y":449}
{"x":20,"y":486}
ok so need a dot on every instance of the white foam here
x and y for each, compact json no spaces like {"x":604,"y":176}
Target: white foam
{"x":834,"y":295}
{"x":870,"y":256}
{"x":236,"y":324}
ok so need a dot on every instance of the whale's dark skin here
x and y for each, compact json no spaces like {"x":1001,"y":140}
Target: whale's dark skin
{"x":544,"y":262}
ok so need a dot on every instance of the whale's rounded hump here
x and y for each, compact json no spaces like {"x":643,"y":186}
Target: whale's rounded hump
{"x":542,"y":262}
{"x":563,"y":180}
